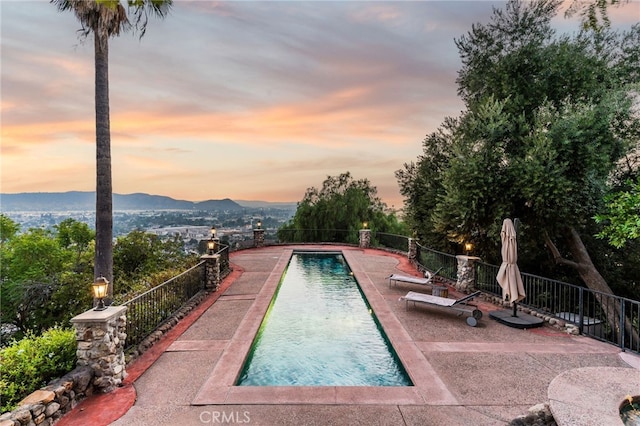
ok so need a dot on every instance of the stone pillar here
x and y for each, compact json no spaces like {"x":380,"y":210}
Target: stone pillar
{"x":101,"y":336}
{"x":466,"y":273}
{"x":412,"y":251}
{"x":211,"y":272}
{"x":365,"y":238}
{"x":258,"y":237}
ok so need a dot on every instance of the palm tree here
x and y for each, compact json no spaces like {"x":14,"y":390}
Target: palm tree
{"x":105,"y":19}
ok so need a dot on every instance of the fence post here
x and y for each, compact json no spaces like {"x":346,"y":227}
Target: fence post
{"x":581,"y":311}
{"x":622,"y":324}
{"x":412,"y":251}
{"x":258,"y":237}
{"x":101,"y":340}
{"x":466,"y":273}
{"x":211,"y":272}
{"x":365,"y":238}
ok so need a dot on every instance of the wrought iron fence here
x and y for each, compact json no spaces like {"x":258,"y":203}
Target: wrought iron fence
{"x":393,"y":241}
{"x":224,"y":259}
{"x":603,"y":316}
{"x":434,"y":260}
{"x":344,"y":236}
{"x":150,"y":309}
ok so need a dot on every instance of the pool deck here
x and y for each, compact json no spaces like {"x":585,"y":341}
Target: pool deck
{"x":484,"y":375}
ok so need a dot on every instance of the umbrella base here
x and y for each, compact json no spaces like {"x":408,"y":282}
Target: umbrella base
{"x":522,"y":321}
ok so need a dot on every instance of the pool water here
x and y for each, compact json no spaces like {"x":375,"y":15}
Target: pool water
{"x":320,"y":331}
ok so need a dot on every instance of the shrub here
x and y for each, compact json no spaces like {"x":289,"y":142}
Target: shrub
{"x":29,"y":364}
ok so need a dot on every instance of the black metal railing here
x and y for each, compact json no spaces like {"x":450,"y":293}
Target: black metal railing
{"x":149,"y":310}
{"x":224,"y":259}
{"x":393,"y":241}
{"x":603,"y":316}
{"x":343,"y":236}
{"x":434,"y":260}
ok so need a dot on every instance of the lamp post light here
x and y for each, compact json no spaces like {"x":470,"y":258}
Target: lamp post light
{"x":213,"y":232}
{"x":259,"y":224}
{"x":211,"y":246}
{"x":365,"y":225}
{"x":468,"y":247}
{"x":99,"y":287}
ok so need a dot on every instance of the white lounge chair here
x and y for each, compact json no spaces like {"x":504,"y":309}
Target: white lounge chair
{"x":459,"y":305}
{"x":427,"y":280}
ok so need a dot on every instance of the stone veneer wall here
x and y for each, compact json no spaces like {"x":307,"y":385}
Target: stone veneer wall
{"x":364,"y":238}
{"x":43,"y":407}
{"x":101,"y":336}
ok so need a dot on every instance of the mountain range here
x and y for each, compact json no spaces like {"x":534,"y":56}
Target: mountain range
{"x":79,"y":200}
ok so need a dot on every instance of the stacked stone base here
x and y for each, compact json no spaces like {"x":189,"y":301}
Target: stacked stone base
{"x":45,"y":406}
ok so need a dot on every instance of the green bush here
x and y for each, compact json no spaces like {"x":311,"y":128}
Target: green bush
{"x":29,"y":364}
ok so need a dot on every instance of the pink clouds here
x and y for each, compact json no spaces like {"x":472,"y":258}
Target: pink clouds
{"x":272,"y":96}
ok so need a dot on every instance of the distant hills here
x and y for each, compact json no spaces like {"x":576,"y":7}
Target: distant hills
{"x":78,"y":200}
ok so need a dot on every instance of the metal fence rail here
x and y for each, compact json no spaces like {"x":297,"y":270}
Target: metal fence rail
{"x":393,"y":241}
{"x":224,"y":259}
{"x":603,"y":316}
{"x":150,"y":309}
{"x":345,"y":236}
{"x":434,"y":260}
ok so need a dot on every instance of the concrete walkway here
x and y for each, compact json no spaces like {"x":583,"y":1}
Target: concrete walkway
{"x":484,"y":375}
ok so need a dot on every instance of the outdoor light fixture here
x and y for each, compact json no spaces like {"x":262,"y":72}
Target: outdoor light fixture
{"x":468,"y":247}
{"x":213,"y":232}
{"x":259,"y":224}
{"x":365,"y":225}
{"x":99,"y":287}
{"x":211,"y":246}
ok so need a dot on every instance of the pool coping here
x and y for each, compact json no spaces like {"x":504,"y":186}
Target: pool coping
{"x":219,"y":388}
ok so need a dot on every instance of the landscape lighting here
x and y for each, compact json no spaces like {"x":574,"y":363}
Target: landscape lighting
{"x":99,"y":287}
{"x":468,"y":247}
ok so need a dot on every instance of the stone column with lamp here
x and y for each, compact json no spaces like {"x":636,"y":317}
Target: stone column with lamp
{"x":466,"y":273}
{"x":101,"y":334}
{"x":211,"y":272}
{"x":365,"y":236}
{"x":212,"y":263}
{"x":258,"y":235}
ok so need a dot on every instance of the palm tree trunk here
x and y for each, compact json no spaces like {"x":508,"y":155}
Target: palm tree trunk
{"x":104,"y":204}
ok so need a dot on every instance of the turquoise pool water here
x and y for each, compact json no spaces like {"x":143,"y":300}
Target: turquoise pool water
{"x":320,"y":331}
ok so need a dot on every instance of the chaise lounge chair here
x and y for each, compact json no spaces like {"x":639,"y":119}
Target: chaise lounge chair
{"x":459,"y":305}
{"x":427,"y":280}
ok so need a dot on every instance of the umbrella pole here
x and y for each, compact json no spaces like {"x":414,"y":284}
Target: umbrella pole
{"x":515,"y":309}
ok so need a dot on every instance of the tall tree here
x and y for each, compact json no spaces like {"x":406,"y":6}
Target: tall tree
{"x":342,"y":205}
{"x":547,"y":121}
{"x":105,"y":19}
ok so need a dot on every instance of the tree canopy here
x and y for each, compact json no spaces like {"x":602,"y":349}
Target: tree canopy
{"x":337,"y":211}
{"x":46,"y":275}
{"x":548,"y":119}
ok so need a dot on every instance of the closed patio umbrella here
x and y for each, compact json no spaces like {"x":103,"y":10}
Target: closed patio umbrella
{"x":509,"y":274}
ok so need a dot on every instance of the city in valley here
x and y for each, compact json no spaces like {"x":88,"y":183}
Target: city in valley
{"x":192,"y":226}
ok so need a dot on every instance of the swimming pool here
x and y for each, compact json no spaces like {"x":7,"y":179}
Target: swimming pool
{"x":320,"y":331}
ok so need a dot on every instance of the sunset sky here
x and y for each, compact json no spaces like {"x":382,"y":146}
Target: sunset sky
{"x":248,"y":100}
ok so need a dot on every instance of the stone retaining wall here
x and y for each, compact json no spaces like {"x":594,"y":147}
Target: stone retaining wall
{"x":43,"y":407}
